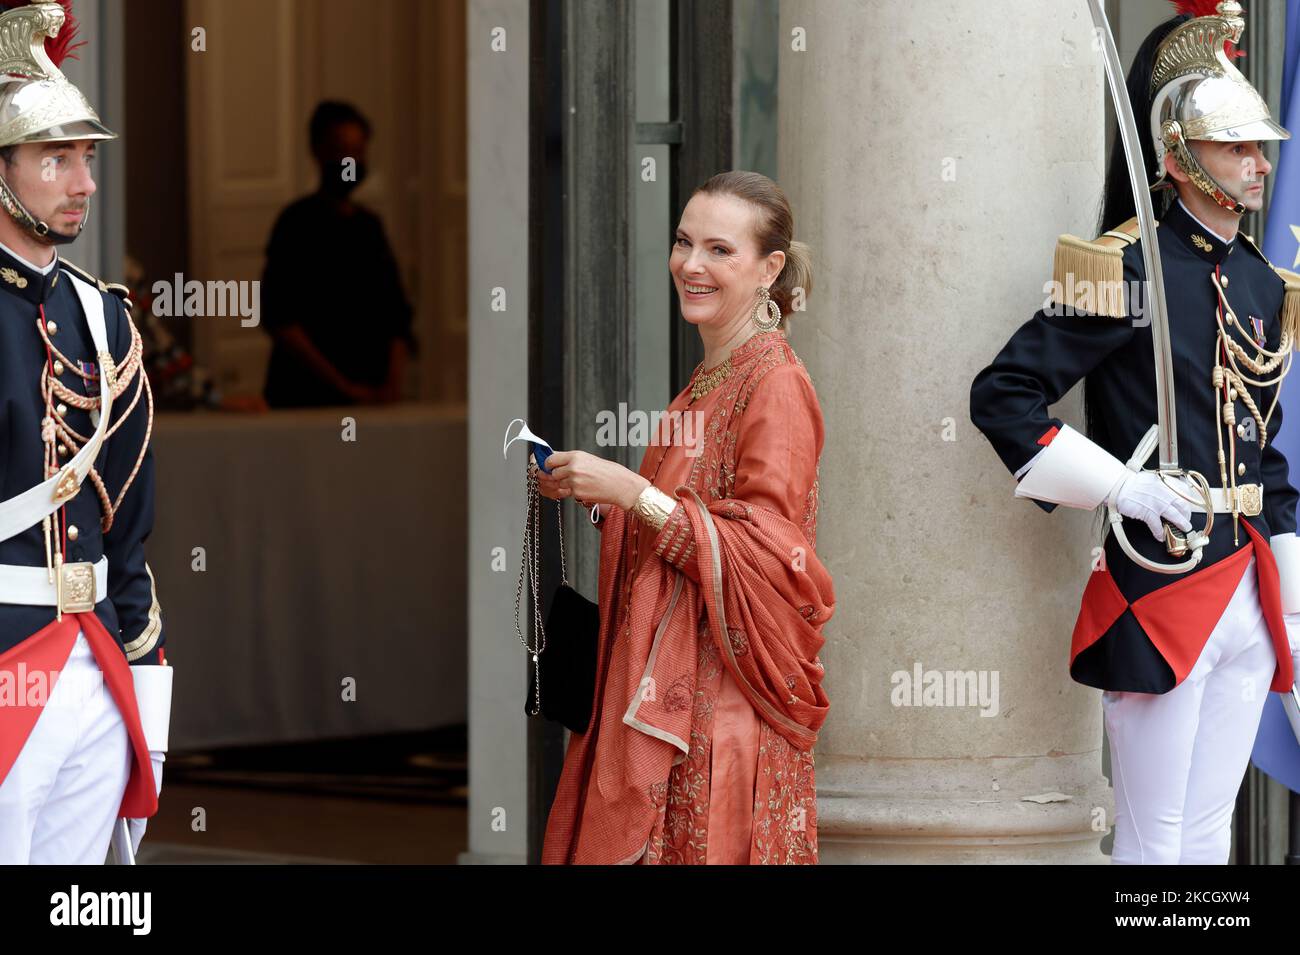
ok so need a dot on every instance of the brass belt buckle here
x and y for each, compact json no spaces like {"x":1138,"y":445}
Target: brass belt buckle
{"x":76,"y":587}
{"x":1250,"y":499}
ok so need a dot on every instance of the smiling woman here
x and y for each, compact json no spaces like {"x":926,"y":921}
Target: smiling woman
{"x":708,"y":694}
{"x":733,"y":241}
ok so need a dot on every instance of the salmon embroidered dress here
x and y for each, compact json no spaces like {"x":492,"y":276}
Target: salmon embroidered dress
{"x":708,"y":689}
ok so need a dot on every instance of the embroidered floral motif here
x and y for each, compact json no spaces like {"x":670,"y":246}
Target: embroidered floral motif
{"x":739,"y":642}
{"x":790,"y":680}
{"x":678,"y":696}
{"x":659,"y":794}
{"x":809,"y":526}
{"x":785,"y":803}
{"x":708,"y":656}
{"x":684,"y":837}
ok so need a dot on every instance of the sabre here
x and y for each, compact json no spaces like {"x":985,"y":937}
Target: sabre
{"x":1166,"y":427}
{"x":1291,"y":704}
{"x":121,"y":843}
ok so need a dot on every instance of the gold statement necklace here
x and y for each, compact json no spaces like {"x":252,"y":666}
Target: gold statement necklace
{"x":706,"y":382}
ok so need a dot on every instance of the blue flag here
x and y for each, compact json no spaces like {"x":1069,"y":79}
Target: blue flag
{"x":1277,"y":752}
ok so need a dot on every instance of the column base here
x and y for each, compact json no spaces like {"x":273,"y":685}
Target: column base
{"x":1051,"y":810}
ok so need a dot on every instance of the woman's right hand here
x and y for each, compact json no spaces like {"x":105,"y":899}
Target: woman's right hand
{"x":548,"y":485}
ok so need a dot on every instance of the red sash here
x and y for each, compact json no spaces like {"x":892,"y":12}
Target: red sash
{"x":47,"y":651}
{"x":1179,"y":617}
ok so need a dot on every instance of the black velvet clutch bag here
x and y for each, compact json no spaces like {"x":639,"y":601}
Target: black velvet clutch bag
{"x":562,"y":679}
{"x":567,"y":663}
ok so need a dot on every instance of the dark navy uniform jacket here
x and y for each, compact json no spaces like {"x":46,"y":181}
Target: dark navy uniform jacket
{"x":130,"y":608}
{"x":1050,"y":353}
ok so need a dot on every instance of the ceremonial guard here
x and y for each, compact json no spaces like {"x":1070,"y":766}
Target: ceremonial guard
{"x":85,"y":692}
{"x":1192,"y":610}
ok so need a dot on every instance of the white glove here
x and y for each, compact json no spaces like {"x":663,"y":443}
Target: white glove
{"x":153,"y":695}
{"x":1143,"y":496}
{"x":136,"y":826}
{"x":1293,"y":638}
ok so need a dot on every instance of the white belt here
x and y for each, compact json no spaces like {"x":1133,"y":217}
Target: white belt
{"x":1250,"y":498}
{"x":31,"y":585}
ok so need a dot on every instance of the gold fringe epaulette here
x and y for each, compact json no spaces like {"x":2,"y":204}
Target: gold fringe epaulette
{"x":121,"y":291}
{"x":1290,"y":303}
{"x":1290,"y":314}
{"x":1089,"y":276}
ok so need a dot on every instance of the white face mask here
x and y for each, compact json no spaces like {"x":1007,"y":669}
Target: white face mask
{"x":541,"y":447}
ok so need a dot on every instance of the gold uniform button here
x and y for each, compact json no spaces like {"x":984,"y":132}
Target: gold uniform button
{"x":63,"y":450}
{"x":51,"y":327}
{"x":1241,"y":431}
{"x":1241,"y":469}
{"x":73,"y":533}
{"x":58,"y":367}
{"x":62,"y":409}
{"x":1223,"y":280}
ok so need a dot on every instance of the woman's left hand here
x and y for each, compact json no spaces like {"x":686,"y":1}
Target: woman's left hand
{"x":594,"y":480}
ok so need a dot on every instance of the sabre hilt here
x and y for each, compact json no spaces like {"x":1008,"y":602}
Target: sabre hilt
{"x":1188,"y":544}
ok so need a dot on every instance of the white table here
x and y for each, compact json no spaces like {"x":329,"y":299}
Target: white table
{"x":326,"y":561}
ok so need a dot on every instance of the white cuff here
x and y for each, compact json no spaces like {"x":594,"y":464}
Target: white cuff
{"x":1286,"y":551}
{"x":1072,"y":470}
{"x":153,"y":697}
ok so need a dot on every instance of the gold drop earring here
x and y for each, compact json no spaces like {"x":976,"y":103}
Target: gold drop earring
{"x":773,"y":311}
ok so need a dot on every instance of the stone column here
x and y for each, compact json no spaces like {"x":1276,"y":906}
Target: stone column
{"x":932,"y":154}
{"x":498,"y":49}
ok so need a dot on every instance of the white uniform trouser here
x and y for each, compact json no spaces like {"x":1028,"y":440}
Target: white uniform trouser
{"x":1177,"y":759}
{"x":61,"y":797}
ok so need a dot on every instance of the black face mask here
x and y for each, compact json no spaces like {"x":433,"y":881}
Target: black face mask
{"x":333,"y":182}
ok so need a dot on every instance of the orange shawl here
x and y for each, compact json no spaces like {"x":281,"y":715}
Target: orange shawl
{"x":733,"y":581}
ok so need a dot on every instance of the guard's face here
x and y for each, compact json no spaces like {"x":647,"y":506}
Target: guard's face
{"x":1240,"y":167}
{"x":715,"y":262}
{"x":53,"y":180}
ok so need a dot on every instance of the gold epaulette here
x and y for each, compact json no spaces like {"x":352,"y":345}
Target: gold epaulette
{"x":1290,"y":313}
{"x":1089,"y":276}
{"x":1290,"y":303}
{"x":121,"y":291}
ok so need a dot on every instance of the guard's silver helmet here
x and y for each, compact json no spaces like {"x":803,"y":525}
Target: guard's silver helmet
{"x":1198,"y":94}
{"x":37,"y":102}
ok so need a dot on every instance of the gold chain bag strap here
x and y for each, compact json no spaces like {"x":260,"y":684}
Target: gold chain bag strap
{"x":564,"y":655}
